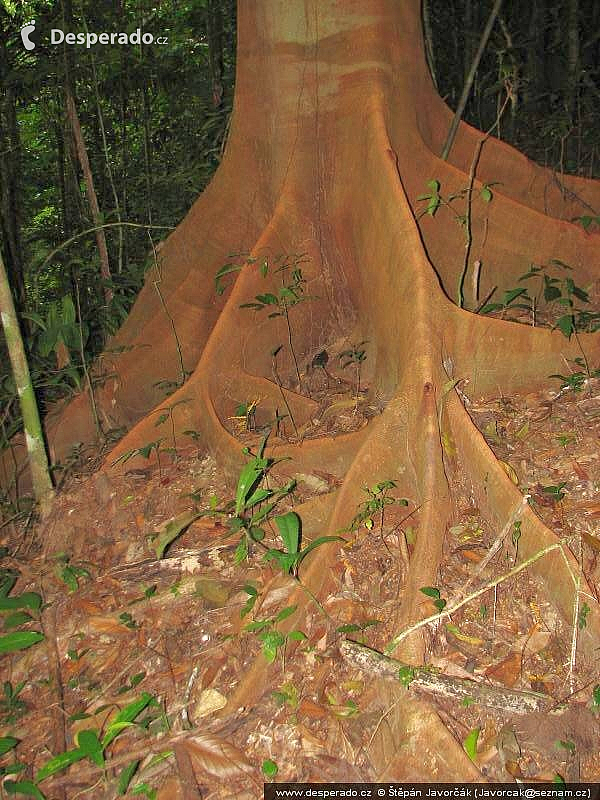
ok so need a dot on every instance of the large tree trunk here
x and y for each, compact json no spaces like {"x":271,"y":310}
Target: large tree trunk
{"x":336,"y":131}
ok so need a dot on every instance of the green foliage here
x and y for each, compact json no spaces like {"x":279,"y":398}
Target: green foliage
{"x":11,"y":705}
{"x":20,"y":639}
{"x":71,"y":574}
{"x":269,"y":768}
{"x":406,"y":676}
{"x":253,"y":507}
{"x":154,"y":124}
{"x":378,"y":499}
{"x":271,"y":638}
{"x":91,"y":744}
{"x":582,"y":616}
{"x":558,"y":296}
{"x":434,"y":593}
{"x":470,"y":743}
{"x":60,"y":326}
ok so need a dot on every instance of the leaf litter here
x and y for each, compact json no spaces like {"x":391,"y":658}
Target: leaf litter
{"x":186,"y":628}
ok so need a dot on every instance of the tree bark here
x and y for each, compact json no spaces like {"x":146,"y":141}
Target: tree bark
{"x":91,"y":194}
{"x":34,"y":438}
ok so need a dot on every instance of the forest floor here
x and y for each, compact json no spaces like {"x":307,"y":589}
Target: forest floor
{"x":146,"y":652}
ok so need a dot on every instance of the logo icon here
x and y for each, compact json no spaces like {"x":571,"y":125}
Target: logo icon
{"x":26,"y":32}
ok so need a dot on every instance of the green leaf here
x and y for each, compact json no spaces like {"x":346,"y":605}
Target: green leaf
{"x":125,"y":777}
{"x":406,"y":676}
{"x":89,"y":743}
{"x":286,"y":561}
{"x":430,"y":591}
{"x":565,"y":325}
{"x":125,"y":717}
{"x":20,"y":640}
{"x":258,"y":496}
{"x":551,"y":293}
{"x":30,"y":600}
{"x":145,"y":789}
{"x":251,"y":473}
{"x":288,"y":526}
{"x":486,"y":194}
{"x":269,"y":768}
{"x":489,"y":307}
{"x":172,"y":529}
{"x":59,"y":762}
{"x":317,"y":543}
{"x":241,"y":551}
{"x":470,"y":743}
{"x":271,"y":640}
{"x":285,"y":613}
{"x":227,"y":269}
{"x":297,"y":636}
{"x":28,"y":788}
{"x":512,"y":294}
{"x":596,"y":696}
{"x":267,"y":299}
{"x":16,"y":619}
{"x":7,"y":743}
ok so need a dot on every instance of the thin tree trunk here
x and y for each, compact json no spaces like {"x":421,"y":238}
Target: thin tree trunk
{"x":214,"y":27}
{"x":90,"y":192}
{"x":470,"y":78}
{"x":34,"y":437}
{"x":428,"y":36}
{"x":10,"y":184}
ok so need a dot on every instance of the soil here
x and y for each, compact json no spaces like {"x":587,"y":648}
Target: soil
{"x":118,"y":622}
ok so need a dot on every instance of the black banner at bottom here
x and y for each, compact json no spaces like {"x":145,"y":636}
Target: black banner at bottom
{"x":430,"y":791}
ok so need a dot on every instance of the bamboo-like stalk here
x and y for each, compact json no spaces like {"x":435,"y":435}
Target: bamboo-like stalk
{"x":43,"y":489}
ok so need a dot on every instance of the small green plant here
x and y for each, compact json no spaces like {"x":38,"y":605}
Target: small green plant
{"x":125,"y":618}
{"x":70,"y":573}
{"x":583,"y":615}
{"x":406,"y":675}
{"x":435,"y":200}
{"x":271,"y":638}
{"x":378,"y":499}
{"x":11,"y":705}
{"x":576,"y":381}
{"x":516,"y":535}
{"x":288,"y":559}
{"x":565,"y":439}
{"x":596,"y":697}
{"x":555,"y":492}
{"x":20,"y":609}
{"x":558,"y":296}
{"x":356,"y":355}
{"x":92,"y":745}
{"x":144,"y":452}
{"x":290,"y":293}
{"x":434,"y":593}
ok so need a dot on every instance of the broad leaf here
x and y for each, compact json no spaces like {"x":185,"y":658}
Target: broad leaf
{"x":288,"y":526}
{"x":20,"y":640}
